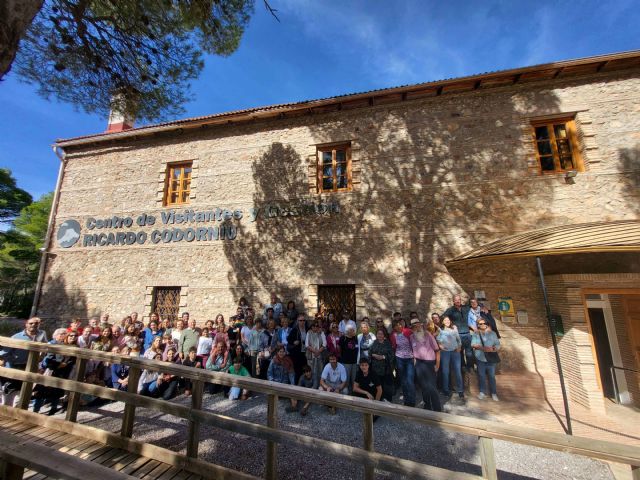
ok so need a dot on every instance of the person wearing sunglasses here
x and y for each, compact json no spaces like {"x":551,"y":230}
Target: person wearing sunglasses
{"x":486,"y":344}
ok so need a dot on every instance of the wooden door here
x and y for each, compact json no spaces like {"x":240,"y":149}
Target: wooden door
{"x":337,"y":298}
{"x":167,"y":302}
{"x":632,"y":314}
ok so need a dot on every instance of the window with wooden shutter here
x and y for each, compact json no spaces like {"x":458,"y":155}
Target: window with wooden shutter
{"x":178,"y":186}
{"x":556,"y":144}
{"x":334,"y":168}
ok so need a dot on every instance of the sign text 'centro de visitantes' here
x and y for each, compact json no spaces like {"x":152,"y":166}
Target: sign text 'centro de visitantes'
{"x":179,"y":225}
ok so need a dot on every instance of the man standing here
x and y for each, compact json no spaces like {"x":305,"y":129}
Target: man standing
{"x":346,"y":323}
{"x":296,"y":345}
{"x":189,"y":337}
{"x":17,"y":358}
{"x":459,"y":315}
{"x":275,"y":304}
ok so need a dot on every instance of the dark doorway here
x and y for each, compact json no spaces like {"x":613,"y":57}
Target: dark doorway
{"x":603,"y":349}
{"x":337,"y":298}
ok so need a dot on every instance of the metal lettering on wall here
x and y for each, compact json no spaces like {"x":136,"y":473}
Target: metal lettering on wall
{"x":70,"y":231}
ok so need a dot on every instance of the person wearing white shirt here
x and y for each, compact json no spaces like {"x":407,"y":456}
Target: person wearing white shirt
{"x":345,"y":323}
{"x":365,"y":340}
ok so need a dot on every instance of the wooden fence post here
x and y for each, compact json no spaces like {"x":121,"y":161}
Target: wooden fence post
{"x":130,"y":410}
{"x":13,"y":471}
{"x":488,"y":459}
{"x":369,"y":470}
{"x":74,"y":397}
{"x":272,"y":450}
{"x":27,"y":387}
{"x":194,"y":426}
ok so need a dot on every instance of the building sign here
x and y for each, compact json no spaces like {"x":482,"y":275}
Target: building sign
{"x":187,"y":225}
{"x":506,"y":309}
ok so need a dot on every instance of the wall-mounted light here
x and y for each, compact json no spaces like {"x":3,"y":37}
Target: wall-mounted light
{"x":570,"y":176}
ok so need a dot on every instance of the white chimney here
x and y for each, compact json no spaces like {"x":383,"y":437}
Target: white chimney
{"x":119,"y":121}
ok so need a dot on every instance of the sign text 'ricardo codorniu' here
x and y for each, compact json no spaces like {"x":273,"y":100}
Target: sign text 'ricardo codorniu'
{"x":187,"y":225}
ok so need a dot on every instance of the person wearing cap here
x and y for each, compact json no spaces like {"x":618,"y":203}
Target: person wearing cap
{"x":345,"y":323}
{"x":427,"y":362}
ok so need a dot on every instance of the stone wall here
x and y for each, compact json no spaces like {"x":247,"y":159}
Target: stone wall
{"x":435,"y":178}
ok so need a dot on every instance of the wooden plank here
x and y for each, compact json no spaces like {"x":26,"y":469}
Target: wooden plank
{"x":130,"y":409}
{"x":74,"y":397}
{"x":109,"y":462}
{"x":271,"y":468}
{"x":27,"y":387}
{"x":137,"y":464}
{"x":170,"y":474}
{"x":158,"y":471}
{"x":50,"y":462}
{"x":122,"y":463}
{"x":488,"y":459}
{"x":193,"y":438}
{"x":367,"y":435}
{"x":114,"y":452}
{"x":148,"y":467}
{"x":148,"y":450}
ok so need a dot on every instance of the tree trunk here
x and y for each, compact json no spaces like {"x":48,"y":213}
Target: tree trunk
{"x":15,"y":18}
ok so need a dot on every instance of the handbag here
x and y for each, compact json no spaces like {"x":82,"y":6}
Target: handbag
{"x":492,"y":357}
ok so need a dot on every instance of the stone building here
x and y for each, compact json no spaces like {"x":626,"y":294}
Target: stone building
{"x":383,"y":201}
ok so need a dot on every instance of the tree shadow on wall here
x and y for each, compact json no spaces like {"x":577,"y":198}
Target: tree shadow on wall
{"x":59,"y":304}
{"x":629,"y":167}
{"x":431,"y":180}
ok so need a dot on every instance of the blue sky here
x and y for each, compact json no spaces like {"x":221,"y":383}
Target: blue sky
{"x":324,"y":48}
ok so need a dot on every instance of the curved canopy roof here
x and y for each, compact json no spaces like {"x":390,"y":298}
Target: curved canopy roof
{"x":617,"y":236}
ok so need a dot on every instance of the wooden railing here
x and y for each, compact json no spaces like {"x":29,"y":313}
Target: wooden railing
{"x":485,"y":430}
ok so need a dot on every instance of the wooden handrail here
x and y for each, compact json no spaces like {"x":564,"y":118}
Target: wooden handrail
{"x":484,"y":429}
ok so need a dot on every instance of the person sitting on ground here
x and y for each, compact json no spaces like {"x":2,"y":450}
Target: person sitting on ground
{"x":218,"y":362}
{"x":120,"y":373}
{"x":194,"y":361}
{"x":88,"y":400}
{"x":238,"y":369}
{"x":367,"y":384}
{"x":334,"y":378}
{"x":306,"y":381}
{"x":281,"y":368}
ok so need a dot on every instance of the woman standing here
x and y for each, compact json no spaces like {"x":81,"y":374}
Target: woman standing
{"x":427,"y":357}
{"x":316,"y":344}
{"x":450,"y":360}
{"x":381,"y":354}
{"x":404,"y":361}
{"x":486,"y":344}
{"x":333,"y":340}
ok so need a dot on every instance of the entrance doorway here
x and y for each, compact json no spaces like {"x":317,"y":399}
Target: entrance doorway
{"x":337,"y":298}
{"x":603,"y":349}
{"x":166,"y":302}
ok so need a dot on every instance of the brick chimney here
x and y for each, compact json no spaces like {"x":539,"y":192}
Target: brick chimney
{"x":119,"y":120}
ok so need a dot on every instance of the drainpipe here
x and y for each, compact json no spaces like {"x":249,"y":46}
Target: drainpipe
{"x":60,"y":153}
{"x":555,"y":346}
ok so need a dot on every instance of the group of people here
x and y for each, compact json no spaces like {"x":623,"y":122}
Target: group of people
{"x":280,"y":344}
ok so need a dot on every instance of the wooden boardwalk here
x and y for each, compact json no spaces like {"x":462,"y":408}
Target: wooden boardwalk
{"x":136,"y":466}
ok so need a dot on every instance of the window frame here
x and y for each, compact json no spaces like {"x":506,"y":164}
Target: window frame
{"x":333,"y":148}
{"x":570,"y":127}
{"x":172,"y":167}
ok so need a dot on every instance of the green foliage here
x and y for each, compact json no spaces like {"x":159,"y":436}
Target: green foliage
{"x":12,"y":198}
{"x":86,"y":51}
{"x":20,"y":256}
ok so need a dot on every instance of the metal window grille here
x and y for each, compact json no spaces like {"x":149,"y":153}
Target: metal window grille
{"x":336,"y":298}
{"x":167,"y":302}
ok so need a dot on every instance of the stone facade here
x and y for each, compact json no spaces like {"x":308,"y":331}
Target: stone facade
{"x":433,"y":178}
